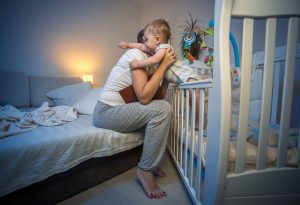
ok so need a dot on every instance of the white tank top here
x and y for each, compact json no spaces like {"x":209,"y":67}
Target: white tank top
{"x":120,"y":77}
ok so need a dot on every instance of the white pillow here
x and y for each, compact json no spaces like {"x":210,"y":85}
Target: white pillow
{"x":69,"y":94}
{"x":86,"y":104}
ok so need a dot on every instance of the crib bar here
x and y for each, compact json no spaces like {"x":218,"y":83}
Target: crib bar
{"x":172,"y":124}
{"x":177,"y":93}
{"x":192,"y":136}
{"x":207,"y":83}
{"x":173,"y":130}
{"x":181,"y":126}
{"x":173,"y":140}
{"x":244,"y":94}
{"x":267,"y":93}
{"x":186,"y":131}
{"x":182,"y":142}
{"x":169,"y":98}
{"x":175,"y":125}
{"x":199,"y":144}
{"x":287,"y":90}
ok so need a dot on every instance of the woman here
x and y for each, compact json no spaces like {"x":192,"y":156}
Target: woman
{"x":111,"y":112}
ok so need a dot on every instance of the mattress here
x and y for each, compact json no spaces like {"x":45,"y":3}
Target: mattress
{"x":251,"y":154}
{"x":42,"y":152}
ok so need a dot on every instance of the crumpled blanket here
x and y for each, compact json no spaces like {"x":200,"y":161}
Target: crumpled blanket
{"x":14,"y":121}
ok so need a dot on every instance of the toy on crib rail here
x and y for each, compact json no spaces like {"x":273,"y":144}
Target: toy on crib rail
{"x":207,"y":44}
{"x":208,"y":59}
{"x":236,"y":70}
{"x":208,"y":51}
{"x":191,"y":39}
{"x":235,"y":76}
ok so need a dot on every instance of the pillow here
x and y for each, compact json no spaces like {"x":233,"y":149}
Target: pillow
{"x":86,"y":104}
{"x":69,"y":94}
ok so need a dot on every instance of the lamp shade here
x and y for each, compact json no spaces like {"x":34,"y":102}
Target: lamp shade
{"x":87,"y":78}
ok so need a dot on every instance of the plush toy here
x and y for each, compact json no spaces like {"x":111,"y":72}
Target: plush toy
{"x":189,"y":56}
{"x":189,"y":38}
{"x":208,"y":59}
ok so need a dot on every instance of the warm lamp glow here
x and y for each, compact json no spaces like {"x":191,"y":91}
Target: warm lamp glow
{"x":75,"y":58}
{"x":88,"y":78}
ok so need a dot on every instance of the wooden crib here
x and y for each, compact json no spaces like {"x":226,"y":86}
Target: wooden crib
{"x":202,"y":151}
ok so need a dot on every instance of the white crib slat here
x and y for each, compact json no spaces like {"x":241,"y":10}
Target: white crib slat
{"x":192,"y":136}
{"x":171,"y":135}
{"x":169,"y":99}
{"x":185,"y":137}
{"x":244,"y":94}
{"x":287,"y":90}
{"x":181,"y":126}
{"x":267,"y":93}
{"x":172,"y":123}
{"x":199,"y":144}
{"x":177,"y":124}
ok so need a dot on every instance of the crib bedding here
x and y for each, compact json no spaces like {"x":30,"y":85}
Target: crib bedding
{"x":251,"y":153}
{"x":40,"y":153}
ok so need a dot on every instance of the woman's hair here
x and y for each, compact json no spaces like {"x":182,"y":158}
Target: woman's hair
{"x":160,"y":27}
{"x":140,"y":36}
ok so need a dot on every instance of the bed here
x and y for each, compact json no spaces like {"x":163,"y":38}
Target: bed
{"x":46,"y":165}
{"x":203,"y":154}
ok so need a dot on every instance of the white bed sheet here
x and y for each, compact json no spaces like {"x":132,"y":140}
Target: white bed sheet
{"x":40,"y":153}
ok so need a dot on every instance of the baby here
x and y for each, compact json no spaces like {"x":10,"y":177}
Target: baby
{"x":156,"y":36}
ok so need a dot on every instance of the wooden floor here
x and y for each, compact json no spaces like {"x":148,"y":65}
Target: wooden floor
{"x":124,"y":189}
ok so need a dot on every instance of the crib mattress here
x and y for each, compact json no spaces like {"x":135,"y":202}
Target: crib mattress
{"x":35,"y":155}
{"x":251,"y":155}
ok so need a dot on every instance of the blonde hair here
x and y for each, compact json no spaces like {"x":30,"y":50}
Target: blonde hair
{"x":160,"y":27}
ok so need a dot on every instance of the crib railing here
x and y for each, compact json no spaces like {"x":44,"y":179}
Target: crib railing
{"x":188,"y":102}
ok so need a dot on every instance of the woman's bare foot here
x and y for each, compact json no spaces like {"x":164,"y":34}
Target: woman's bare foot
{"x":148,"y":182}
{"x":159,"y":172}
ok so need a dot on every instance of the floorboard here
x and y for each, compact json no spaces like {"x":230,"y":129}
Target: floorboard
{"x":124,"y":189}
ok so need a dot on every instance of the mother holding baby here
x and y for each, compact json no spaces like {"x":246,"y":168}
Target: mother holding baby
{"x":112,"y":112}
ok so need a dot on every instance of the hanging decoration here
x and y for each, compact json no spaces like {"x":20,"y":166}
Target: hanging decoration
{"x":191,"y":40}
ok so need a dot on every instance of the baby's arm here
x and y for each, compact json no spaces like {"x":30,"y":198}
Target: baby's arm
{"x":125,"y":45}
{"x":150,"y":61}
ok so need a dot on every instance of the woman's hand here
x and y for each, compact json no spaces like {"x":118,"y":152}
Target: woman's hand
{"x":169,"y":58}
{"x":134,"y":64}
{"x":145,"y":89}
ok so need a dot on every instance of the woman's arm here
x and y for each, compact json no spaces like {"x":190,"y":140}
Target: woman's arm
{"x":145,"y":89}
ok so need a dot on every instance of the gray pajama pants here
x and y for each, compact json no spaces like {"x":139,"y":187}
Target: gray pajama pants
{"x":155,"y":117}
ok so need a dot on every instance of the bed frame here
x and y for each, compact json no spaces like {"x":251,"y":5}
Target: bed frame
{"x":79,"y":178}
{"x":212,"y":184}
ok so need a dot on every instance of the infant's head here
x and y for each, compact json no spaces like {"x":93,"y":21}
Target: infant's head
{"x":159,"y":27}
